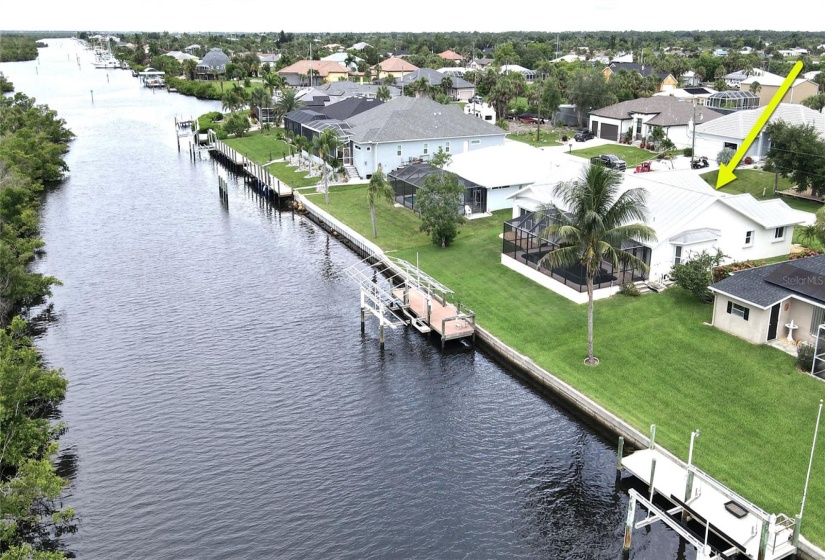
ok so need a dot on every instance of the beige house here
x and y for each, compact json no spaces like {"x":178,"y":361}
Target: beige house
{"x":395,"y":67}
{"x":323,"y":71}
{"x":781,"y":300}
{"x":769,"y":84}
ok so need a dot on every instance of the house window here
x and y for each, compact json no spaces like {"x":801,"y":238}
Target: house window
{"x":357,"y":147}
{"x":398,"y":150}
{"x":817,"y":319}
{"x":639,"y":125}
{"x":447,"y":147}
{"x":779,"y":234}
{"x":738,"y":310}
{"x":368,"y":148}
{"x":748,"y":238}
{"x":678,"y":258}
{"x":475,"y":141}
{"x":426,"y":149}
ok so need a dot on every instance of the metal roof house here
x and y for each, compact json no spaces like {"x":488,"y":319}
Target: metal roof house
{"x":214,"y":63}
{"x":688,"y":216}
{"x":759,"y":304}
{"x":730,"y":130}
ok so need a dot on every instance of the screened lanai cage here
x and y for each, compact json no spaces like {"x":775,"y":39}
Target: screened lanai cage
{"x":407,"y":180}
{"x":523,"y":242}
{"x":731,"y":101}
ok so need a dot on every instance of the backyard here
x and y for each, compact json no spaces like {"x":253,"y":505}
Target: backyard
{"x":631,"y":154}
{"x":760,"y":184}
{"x":660,"y":362}
{"x":265,"y":146}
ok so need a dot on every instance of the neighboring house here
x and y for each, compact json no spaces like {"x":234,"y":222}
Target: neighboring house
{"x":481,"y":110}
{"x":730,"y":101}
{"x":529,"y":75}
{"x":623,"y":58}
{"x":453,"y":71}
{"x":395,"y":67}
{"x":734,"y":79}
{"x":181,"y":56}
{"x":342,"y":57}
{"x":213,"y":64}
{"x":407,"y":129}
{"x":480,"y":63}
{"x":758,"y":304}
{"x":332,"y":92}
{"x":687,"y":215}
{"x":698,"y":95}
{"x":359,"y":46}
{"x":730,"y":130}
{"x":298,"y":74}
{"x":769,"y":84}
{"x":191,"y":48}
{"x":641,"y":115}
{"x":569,"y":58}
{"x":461,"y":89}
{"x":666,"y":80}
{"x":689,"y":79}
{"x":453,"y":57}
{"x":720,"y":52}
{"x":271,"y":58}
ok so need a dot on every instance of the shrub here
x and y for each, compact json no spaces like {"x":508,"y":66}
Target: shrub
{"x":748,"y":160}
{"x":725,"y":156}
{"x":687,"y":152}
{"x":564,"y":138}
{"x":805,"y":356}
{"x":804,"y":253}
{"x":697,"y":274}
{"x":629,"y":289}
{"x":504,"y":125}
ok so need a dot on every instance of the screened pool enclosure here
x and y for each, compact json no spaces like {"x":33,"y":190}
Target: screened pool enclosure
{"x":523,"y":242}
{"x":407,"y":180}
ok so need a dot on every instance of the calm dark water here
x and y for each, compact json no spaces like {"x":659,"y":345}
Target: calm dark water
{"x":223,"y":403}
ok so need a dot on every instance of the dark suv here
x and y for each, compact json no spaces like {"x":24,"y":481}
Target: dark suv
{"x":609,"y":160}
{"x":584,"y":135}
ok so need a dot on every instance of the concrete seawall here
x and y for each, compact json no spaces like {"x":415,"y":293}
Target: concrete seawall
{"x":577,"y":399}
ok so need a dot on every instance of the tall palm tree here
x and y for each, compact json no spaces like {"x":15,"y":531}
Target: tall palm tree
{"x":379,"y":187}
{"x":273,"y":81}
{"x":288,"y":102}
{"x":325,"y":144}
{"x":383,"y":93}
{"x":259,"y":99}
{"x":598,"y":218}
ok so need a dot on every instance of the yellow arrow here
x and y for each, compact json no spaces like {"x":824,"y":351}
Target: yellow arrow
{"x":726,"y":171}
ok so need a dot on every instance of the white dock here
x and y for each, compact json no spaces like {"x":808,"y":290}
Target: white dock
{"x":748,"y":530}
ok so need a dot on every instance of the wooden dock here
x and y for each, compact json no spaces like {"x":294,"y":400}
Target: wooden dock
{"x":406,"y":296}
{"x":745,"y":529}
{"x":255,"y":175}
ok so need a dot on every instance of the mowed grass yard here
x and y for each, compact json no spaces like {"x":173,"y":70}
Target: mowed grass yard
{"x":660,"y":363}
{"x":760,"y":185}
{"x":264,"y":146}
{"x":631,"y":154}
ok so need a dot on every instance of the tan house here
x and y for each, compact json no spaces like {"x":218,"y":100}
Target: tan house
{"x":453,"y":57}
{"x":395,"y":67}
{"x":666,"y":80}
{"x":782,"y":300}
{"x":323,"y":71}
{"x":769,"y":84}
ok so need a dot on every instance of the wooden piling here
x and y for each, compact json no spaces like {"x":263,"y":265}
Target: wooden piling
{"x":652,"y":444}
{"x":619,"y":454}
{"x":628,"y":526}
{"x":381,"y":334}
{"x":651,"y":488}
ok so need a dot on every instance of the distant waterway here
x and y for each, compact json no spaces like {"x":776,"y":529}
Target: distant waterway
{"x":223,"y":403}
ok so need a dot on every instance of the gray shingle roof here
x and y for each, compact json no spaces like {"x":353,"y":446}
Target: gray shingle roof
{"x":434,"y":78}
{"x":215,"y":58}
{"x":349,"y":107}
{"x":669,"y":111}
{"x":750,"y":285}
{"x":409,"y":118}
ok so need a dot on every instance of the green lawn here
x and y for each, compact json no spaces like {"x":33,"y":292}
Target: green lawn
{"x":265,"y":146}
{"x":760,"y":185}
{"x":631,"y":154}
{"x":659,"y":362}
{"x":549,"y":137}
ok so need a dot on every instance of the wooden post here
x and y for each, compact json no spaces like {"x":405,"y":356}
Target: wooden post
{"x":381,"y":334}
{"x":651,"y":488}
{"x":689,"y":485}
{"x":628,"y":526}
{"x":652,"y":436}
{"x":619,"y":457}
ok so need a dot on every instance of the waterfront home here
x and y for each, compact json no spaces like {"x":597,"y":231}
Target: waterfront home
{"x":781,"y":300}
{"x":688,"y":215}
{"x":213,"y":65}
{"x":313,"y":72}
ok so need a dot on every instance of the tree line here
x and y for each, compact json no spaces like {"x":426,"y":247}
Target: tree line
{"x":17,"y":48}
{"x":33,"y":141}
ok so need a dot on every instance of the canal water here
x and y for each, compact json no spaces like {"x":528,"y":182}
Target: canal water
{"x":223,"y":403}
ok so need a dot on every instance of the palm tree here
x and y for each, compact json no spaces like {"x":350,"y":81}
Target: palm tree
{"x":383,"y":93}
{"x":597,"y":221}
{"x":301,"y":144}
{"x":288,"y":102}
{"x":189,"y":68}
{"x":378,"y":188}
{"x":325,"y":144}
{"x":259,"y":99}
{"x":274,"y":81}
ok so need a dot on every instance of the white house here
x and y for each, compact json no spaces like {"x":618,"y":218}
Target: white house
{"x":759,"y":304}
{"x":407,"y":129}
{"x":688,"y":216}
{"x":640,"y":116}
{"x":730,"y":130}
{"x":529,"y":75}
{"x":481,"y":110}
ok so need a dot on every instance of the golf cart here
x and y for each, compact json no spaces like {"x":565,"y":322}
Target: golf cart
{"x":699,"y":163}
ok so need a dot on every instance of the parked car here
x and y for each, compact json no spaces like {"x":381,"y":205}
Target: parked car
{"x":610,"y":160}
{"x":584,"y":135}
{"x":476,"y":99}
{"x":530,"y":118}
